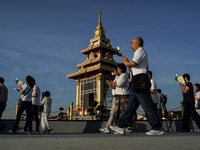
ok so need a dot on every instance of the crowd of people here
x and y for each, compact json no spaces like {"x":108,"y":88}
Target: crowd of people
{"x":128,"y":95}
{"x":130,"y":98}
{"x":30,"y":102}
{"x":141,"y":90}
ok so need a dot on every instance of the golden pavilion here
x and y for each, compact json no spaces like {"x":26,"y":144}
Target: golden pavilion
{"x":95,"y":70}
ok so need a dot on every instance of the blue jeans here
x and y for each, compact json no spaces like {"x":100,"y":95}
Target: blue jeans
{"x":135,"y":100}
{"x":24,"y":106}
{"x":35,"y":114}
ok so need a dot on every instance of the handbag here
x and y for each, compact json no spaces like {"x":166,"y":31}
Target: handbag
{"x":41,"y":108}
{"x":20,"y":99}
{"x":141,"y":83}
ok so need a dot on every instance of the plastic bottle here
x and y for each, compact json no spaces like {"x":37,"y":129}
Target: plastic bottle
{"x":16,"y":81}
{"x":176,"y":78}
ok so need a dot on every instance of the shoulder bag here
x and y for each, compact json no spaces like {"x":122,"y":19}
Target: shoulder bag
{"x":20,"y":100}
{"x":141,"y":83}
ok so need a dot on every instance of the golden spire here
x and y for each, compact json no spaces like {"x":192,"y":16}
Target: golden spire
{"x":99,"y":31}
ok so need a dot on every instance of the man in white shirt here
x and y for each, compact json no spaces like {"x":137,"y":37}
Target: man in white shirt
{"x":139,"y":65}
{"x":154,"y":93}
{"x":161,"y":100}
{"x":112,"y":112}
{"x":153,"y":89}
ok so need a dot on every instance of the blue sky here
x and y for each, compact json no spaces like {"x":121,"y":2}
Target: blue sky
{"x":44,"y":38}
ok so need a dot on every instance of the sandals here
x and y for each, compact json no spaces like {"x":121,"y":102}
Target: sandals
{"x":10,"y":132}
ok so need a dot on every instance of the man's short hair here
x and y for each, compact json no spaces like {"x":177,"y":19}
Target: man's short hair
{"x":141,"y":41}
{"x":2,"y":80}
{"x":187,"y":76}
{"x":47,"y":94}
{"x":159,"y":91}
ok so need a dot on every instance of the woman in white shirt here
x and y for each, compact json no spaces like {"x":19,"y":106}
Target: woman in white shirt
{"x":121,"y":91}
{"x":26,"y":104}
{"x":47,"y":101}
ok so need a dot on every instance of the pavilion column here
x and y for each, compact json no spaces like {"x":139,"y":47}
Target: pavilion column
{"x":100,"y":96}
{"x":77,"y":95}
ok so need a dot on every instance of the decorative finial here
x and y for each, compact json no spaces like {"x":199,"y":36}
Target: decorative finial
{"x":99,"y":31}
{"x":99,"y":23}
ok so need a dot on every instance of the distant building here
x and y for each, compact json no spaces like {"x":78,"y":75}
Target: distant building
{"x":95,"y":70}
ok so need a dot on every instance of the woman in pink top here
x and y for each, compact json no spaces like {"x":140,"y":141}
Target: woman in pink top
{"x":197,"y":97}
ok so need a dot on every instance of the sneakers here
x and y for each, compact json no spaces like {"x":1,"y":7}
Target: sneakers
{"x":155,"y":132}
{"x":49,"y":130}
{"x":118,"y":130}
{"x":36,"y":132}
{"x":21,"y":131}
{"x":197,"y":131}
{"x":130,"y":129}
{"x":29,"y":132}
{"x":10,"y":132}
{"x":182,"y":130}
{"x":45,"y":132}
{"x":105,"y":130}
{"x":116,"y":133}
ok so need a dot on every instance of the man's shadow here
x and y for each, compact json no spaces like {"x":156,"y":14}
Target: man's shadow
{"x":92,"y":126}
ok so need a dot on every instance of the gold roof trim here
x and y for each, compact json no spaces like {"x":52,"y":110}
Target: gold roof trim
{"x":114,"y":50}
{"x":110,"y":61}
{"x":71,"y":75}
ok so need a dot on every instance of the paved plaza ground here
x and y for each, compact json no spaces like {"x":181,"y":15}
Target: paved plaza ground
{"x":100,"y":141}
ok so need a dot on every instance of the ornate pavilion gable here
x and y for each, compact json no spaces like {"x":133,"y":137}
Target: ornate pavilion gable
{"x":99,"y":54}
